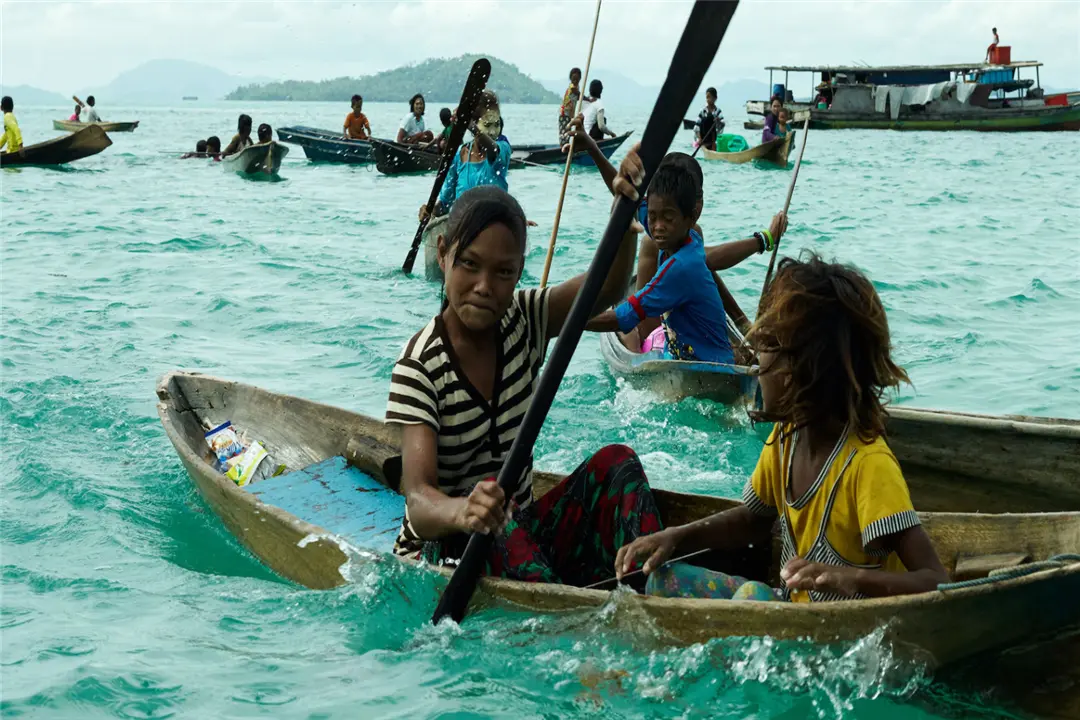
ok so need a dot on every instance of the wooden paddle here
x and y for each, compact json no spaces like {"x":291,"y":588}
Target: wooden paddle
{"x":700,"y":40}
{"x":569,"y":155}
{"x":787,"y":202}
{"x":474,"y":85}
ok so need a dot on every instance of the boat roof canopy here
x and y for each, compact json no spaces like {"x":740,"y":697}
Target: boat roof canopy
{"x":900,"y":68}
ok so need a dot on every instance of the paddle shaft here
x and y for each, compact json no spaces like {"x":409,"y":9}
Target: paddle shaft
{"x":639,"y":571}
{"x":569,"y":155}
{"x":474,"y":85}
{"x":787,"y":203}
{"x":700,"y":40}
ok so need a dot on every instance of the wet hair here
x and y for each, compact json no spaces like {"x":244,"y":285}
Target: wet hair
{"x":596,"y":88}
{"x":90,"y":100}
{"x":475,"y":211}
{"x":828,"y":322}
{"x":213,"y":143}
{"x":266,"y":130}
{"x":444,"y":116}
{"x":7,"y":104}
{"x":243,"y":121}
{"x":674,"y":181}
{"x":413,"y":99}
{"x":572,"y":71}
{"x":688,"y":163}
{"x":711,"y":91}
{"x":200,"y":146}
{"x":357,"y":97}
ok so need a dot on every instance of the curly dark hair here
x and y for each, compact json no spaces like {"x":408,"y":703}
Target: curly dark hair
{"x":827,"y":321}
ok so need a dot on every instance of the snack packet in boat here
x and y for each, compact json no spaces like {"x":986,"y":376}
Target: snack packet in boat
{"x":223,"y":443}
{"x":242,"y":468}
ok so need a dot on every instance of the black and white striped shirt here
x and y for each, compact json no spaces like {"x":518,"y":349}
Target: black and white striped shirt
{"x":429,"y":387}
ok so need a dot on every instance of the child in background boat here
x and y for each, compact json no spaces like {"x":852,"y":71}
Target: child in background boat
{"x":460,"y":389}
{"x":213,"y":147}
{"x":710,"y":122}
{"x":769,"y":131}
{"x":412,"y":130}
{"x":783,"y":122}
{"x":91,"y":108}
{"x":12,"y":139}
{"x":446,"y":117}
{"x":242,"y":138}
{"x":266,"y":134}
{"x":682,"y":291}
{"x":848,"y":527}
{"x":484,"y":161}
{"x":200,"y":151}
{"x":75,"y":115}
{"x":357,"y":126}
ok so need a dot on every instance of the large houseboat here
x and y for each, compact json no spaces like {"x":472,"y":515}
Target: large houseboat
{"x":973,"y":96}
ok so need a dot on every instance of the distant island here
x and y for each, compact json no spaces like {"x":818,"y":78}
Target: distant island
{"x":439,"y":79}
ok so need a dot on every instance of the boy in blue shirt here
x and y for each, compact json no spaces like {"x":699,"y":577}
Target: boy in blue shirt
{"x":682,"y":291}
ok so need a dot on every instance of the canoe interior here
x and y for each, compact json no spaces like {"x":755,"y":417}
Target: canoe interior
{"x":392,"y":158}
{"x":106,"y":126}
{"x":774,"y":152}
{"x":553,"y":154}
{"x":945,"y":626}
{"x":80,"y":144}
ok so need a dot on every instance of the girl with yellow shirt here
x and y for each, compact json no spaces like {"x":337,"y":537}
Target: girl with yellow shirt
{"x":847,"y":525}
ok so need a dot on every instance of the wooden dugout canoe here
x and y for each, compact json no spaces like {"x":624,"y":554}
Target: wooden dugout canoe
{"x":264,"y":158}
{"x":80,"y":144}
{"x":71,"y":126}
{"x":290,"y":523}
{"x":393,"y":158}
{"x":775,"y":152}
{"x":326,"y":146}
{"x":677,"y":379}
{"x":525,"y":155}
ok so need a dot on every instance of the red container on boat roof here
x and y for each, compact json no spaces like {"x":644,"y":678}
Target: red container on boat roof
{"x":1001,"y":55}
{"x":1061,"y":99}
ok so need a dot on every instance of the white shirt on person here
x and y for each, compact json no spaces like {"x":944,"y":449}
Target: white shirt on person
{"x":412,"y":124}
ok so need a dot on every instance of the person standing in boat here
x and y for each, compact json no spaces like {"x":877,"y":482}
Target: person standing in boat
{"x":242,"y":138}
{"x":710,"y":122}
{"x":12,"y":139}
{"x":484,"y":161}
{"x":412,"y":130}
{"x":593,"y":110}
{"x":357,"y":126}
{"x":826,"y":473}
{"x":90,"y":107}
{"x":569,"y":105}
{"x":459,"y":391}
{"x":769,"y":131}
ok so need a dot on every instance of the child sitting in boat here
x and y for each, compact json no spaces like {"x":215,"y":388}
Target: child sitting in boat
{"x":682,"y":291}
{"x":846,"y":520}
{"x":783,"y":123}
{"x":460,"y":389}
{"x":266,"y":134}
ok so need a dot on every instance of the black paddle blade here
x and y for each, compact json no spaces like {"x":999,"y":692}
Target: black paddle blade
{"x":700,"y":40}
{"x":474,"y":85}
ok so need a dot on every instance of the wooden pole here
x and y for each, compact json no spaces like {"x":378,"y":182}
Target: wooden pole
{"x":569,"y":155}
{"x":787,"y":201}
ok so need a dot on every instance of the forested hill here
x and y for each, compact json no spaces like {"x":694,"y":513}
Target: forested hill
{"x":440,"y":80}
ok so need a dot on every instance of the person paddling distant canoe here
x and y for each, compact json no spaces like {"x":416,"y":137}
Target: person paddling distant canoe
{"x":90,"y":107}
{"x":826,"y":472}
{"x":710,"y":122}
{"x":412,"y":130}
{"x":459,"y":390}
{"x":242,"y":138}
{"x":357,"y":126}
{"x":595,"y":120}
{"x":769,"y":131}
{"x":12,"y":139}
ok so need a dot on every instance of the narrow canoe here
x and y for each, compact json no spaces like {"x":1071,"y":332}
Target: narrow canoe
{"x":264,"y":158}
{"x":677,"y":379}
{"x":307,"y":525}
{"x":324,"y":146}
{"x":393,"y":158}
{"x":64,"y":149}
{"x":106,"y":126}
{"x":774,"y":152}
{"x":525,"y":155}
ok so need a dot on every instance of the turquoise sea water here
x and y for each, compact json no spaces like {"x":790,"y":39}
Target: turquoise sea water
{"x":122,"y":594}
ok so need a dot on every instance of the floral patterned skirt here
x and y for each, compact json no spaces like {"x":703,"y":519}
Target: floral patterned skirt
{"x":572,"y":533}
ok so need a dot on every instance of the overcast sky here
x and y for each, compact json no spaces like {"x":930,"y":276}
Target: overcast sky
{"x":63,"y":45}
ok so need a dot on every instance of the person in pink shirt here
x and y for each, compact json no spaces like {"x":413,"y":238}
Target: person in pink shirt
{"x":75,"y":116}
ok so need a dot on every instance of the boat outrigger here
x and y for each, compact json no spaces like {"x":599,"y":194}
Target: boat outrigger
{"x":969,"y":96}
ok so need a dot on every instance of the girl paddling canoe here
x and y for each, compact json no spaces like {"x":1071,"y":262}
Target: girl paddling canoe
{"x":460,"y":390}
{"x":846,"y":519}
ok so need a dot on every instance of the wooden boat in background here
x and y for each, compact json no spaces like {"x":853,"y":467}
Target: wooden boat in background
{"x":264,"y":158}
{"x":67,"y":148}
{"x":674,"y":380}
{"x":775,"y":152}
{"x":326,"y":146}
{"x":393,"y":158}
{"x":525,"y":155}
{"x":70,"y":126}
{"x":308,"y":524}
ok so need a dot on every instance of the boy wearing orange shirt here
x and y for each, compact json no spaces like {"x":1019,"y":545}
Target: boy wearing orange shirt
{"x":357,"y":126}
